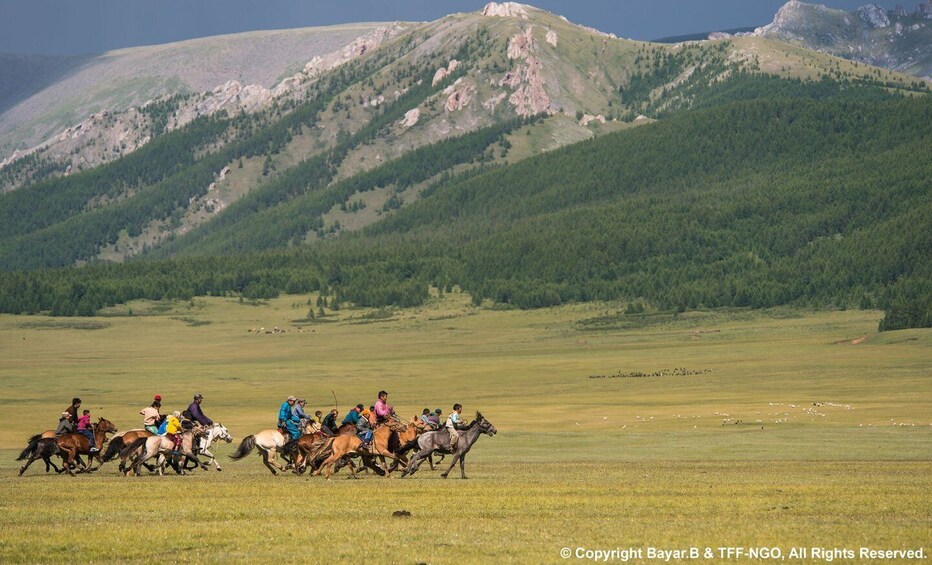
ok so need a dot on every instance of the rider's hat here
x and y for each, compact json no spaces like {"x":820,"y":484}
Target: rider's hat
{"x":198,"y":395}
{"x":290,"y":398}
{"x":158,"y":398}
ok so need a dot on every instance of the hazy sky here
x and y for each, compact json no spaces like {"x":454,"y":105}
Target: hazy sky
{"x":90,"y":26}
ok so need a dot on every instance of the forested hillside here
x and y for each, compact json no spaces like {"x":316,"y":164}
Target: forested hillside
{"x":814,"y":200}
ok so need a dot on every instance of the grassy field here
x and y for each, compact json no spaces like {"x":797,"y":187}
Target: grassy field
{"x":778,"y":428}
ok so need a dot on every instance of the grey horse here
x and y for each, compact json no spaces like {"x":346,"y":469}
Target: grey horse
{"x":439,"y":441}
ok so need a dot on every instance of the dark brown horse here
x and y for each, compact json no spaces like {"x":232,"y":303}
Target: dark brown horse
{"x":39,"y":448}
{"x":72,"y":445}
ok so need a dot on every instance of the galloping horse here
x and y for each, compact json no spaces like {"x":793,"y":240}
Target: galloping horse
{"x":72,"y":445}
{"x":440,"y":441}
{"x":146,"y":448}
{"x":120,"y":441}
{"x":40,"y":448}
{"x":209,"y":435}
{"x":269,"y":442}
{"x":390,"y":439}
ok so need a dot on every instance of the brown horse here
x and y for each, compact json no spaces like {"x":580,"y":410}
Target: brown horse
{"x":387,"y":440}
{"x":122,"y":440}
{"x":390,"y":439}
{"x":72,"y":445}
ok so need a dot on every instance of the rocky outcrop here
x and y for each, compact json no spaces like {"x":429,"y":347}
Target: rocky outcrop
{"x":459,"y":95}
{"x":530,"y":97}
{"x":506,"y":10}
{"x":519,"y":46}
{"x":551,"y":37}
{"x":444,"y":72}
{"x":411,"y":117}
{"x":874,"y":16}
{"x":589,"y":118}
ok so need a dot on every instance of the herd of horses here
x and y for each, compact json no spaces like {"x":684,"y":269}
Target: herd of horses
{"x":314,"y":451}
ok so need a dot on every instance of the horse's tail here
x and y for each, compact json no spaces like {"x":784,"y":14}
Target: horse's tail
{"x":245,"y":448}
{"x":113,"y":448}
{"x":30,"y":447}
{"x":129,"y":449}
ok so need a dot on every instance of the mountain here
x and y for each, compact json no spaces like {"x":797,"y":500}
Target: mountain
{"x":48,"y":94}
{"x":895,"y":39}
{"x":427,"y":139}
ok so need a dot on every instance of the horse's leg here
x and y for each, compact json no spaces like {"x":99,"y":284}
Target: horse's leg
{"x":210,"y":459}
{"x":430,"y":459}
{"x":416,"y":461}
{"x":456,"y":457}
{"x":28,"y":463}
{"x":265,"y":459}
{"x":463,"y":466}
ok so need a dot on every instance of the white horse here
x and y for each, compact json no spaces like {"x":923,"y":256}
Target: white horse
{"x":159,"y":446}
{"x":270,"y":443}
{"x":212,"y":433}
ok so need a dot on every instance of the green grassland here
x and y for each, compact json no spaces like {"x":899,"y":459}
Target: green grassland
{"x":788,"y":430}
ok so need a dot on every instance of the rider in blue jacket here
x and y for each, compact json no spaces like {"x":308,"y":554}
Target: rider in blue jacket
{"x":287,"y":419}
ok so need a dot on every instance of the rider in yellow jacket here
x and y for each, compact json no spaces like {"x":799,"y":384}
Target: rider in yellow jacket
{"x":173,"y":429}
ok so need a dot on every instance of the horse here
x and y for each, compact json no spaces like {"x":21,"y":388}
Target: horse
{"x":71,"y":445}
{"x":146,"y":448}
{"x":393,"y":439}
{"x":209,"y":435}
{"x":120,"y":441}
{"x":342,"y":446}
{"x":40,"y":448}
{"x":440,"y":441}
{"x":269,"y":442}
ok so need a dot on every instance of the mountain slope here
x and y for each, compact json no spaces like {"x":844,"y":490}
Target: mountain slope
{"x":116,"y":80}
{"x":466,"y":92}
{"x":896,"y":40}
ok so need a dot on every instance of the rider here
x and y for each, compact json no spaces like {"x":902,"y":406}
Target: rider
{"x":197,"y":414}
{"x":73,"y":411}
{"x":330,"y":421}
{"x":84,"y":428}
{"x":383,"y":410}
{"x":64,"y":425}
{"x":434,"y":418}
{"x":151,"y":417}
{"x":298,"y":411}
{"x":354,"y":415}
{"x":452,"y":423}
{"x":425,"y":416}
{"x":363,"y":432}
{"x":286,"y":418}
{"x":174,"y":429}
{"x":318,"y":417}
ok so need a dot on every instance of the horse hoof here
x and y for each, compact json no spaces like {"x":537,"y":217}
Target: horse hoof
{"x":219,"y":469}
{"x":443,"y":476}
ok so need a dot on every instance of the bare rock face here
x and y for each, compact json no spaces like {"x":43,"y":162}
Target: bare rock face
{"x":459,"y":95}
{"x":589,"y":118}
{"x":530,"y":97}
{"x":874,"y":16}
{"x":411,"y":117}
{"x":505,"y":10}
{"x":444,"y":72}
{"x":552,"y":37}
{"x":521,"y":44}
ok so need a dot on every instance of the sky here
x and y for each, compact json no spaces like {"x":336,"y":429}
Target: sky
{"x":70,"y":27}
